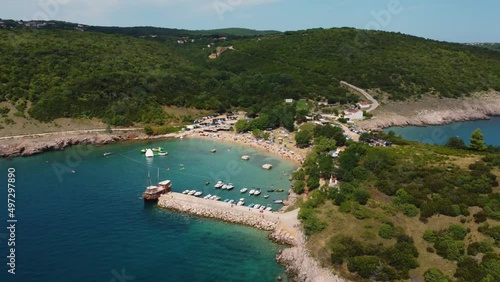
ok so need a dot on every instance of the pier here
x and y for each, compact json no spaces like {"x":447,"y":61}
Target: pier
{"x":283,"y":225}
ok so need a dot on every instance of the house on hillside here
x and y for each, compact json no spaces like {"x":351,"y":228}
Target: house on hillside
{"x":363,"y":105}
{"x":353,"y":114}
{"x":288,"y":101}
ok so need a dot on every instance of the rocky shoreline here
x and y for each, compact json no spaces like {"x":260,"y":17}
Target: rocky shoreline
{"x":434,"y":111}
{"x":29,"y":147}
{"x":301,"y":266}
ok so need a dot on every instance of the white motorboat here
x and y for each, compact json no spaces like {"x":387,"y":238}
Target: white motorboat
{"x":207,"y":197}
{"x":231,"y":201}
{"x":185,"y":191}
{"x":106,"y":154}
{"x":217,"y":198}
{"x":267,"y":166}
{"x":257,"y":192}
{"x":219,"y":184}
{"x":162,"y":153}
{"x":198,"y":193}
{"x":245,"y":157}
{"x":224,"y":187}
{"x":240,"y":203}
{"x":269,"y":209}
{"x":251,"y":192}
{"x":266,"y":196}
{"x":257,"y":206}
{"x":262,"y":208}
{"x":230,"y":186}
{"x":243,"y":190}
{"x":213,"y":197}
{"x":192,"y":192}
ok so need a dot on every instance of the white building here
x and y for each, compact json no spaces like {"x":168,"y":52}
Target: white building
{"x":363,"y":105}
{"x":289,"y":101}
{"x":353,"y":114}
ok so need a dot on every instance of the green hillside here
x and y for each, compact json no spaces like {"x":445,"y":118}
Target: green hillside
{"x":401,"y":65}
{"x":124,"y":79}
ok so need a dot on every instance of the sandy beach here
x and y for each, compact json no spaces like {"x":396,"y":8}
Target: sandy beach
{"x":286,"y":151}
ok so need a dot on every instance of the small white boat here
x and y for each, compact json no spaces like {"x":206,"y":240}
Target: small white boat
{"x":242,"y":199}
{"x":207,"y":197}
{"x":251,"y":192}
{"x":257,"y":192}
{"x":267,"y":166}
{"x":219,"y":184}
{"x":217,"y":198}
{"x":230,"y":186}
{"x":262,"y":208}
{"x":185,"y":191}
{"x":266,"y":196}
{"x":245,"y":157}
{"x":231,"y":201}
{"x":212,"y":197}
{"x":241,"y":202}
{"x":162,"y":153}
{"x":213,"y":150}
{"x":198,"y":193}
{"x":269,"y":209}
{"x":243,"y":190}
{"x":257,"y":206}
{"x":191,"y":192}
{"x":224,"y":187}
{"x":106,"y":154}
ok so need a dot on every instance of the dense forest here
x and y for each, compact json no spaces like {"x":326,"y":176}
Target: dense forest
{"x":114,"y":75}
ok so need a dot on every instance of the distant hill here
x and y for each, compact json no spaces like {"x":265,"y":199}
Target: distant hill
{"x":69,"y":70}
{"x":139,"y":30}
{"x":492,"y":46}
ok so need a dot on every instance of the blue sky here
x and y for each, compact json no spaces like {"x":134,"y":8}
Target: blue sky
{"x":448,"y":20}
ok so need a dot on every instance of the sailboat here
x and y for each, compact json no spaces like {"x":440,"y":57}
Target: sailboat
{"x":153,"y":192}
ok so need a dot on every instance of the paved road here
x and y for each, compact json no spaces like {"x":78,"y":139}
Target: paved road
{"x":375,"y":103}
{"x":66,"y":132}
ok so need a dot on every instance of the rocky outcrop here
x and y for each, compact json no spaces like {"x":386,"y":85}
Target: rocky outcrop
{"x":28,"y":147}
{"x":302,"y":267}
{"x":216,"y":213}
{"x":282,"y":237}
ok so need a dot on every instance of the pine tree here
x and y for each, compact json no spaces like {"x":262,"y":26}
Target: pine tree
{"x":476,"y":141}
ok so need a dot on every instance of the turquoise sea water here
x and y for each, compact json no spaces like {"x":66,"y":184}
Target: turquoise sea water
{"x":91,"y":225}
{"x":439,"y":134}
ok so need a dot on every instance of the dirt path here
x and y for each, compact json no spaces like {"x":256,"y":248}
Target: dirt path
{"x":375,"y":103}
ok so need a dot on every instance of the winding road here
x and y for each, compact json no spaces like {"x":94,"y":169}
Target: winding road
{"x":375,"y":103}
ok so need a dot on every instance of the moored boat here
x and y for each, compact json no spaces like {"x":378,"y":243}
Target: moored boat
{"x":106,"y":154}
{"x":197,"y":193}
{"x":207,"y":197}
{"x":163,"y":153}
{"x":213,"y":150}
{"x":256,"y":206}
{"x":251,"y":192}
{"x":243,"y":190}
{"x":231,"y":202}
{"x":251,"y":205}
{"x":192,"y":192}
{"x":278,"y":202}
{"x":257,"y":192}
{"x":266,"y":196}
{"x":230,"y":186}
{"x":269,"y":209}
{"x":219,"y":184}
{"x":185,"y":191}
{"x":153,"y":192}
{"x":224,"y":187}
{"x":245,"y":157}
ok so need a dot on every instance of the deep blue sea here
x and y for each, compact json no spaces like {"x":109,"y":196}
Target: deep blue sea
{"x":91,"y":225}
{"x":439,"y":134}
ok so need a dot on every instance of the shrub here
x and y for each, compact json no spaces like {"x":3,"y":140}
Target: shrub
{"x":430,"y":236}
{"x":386,"y":231}
{"x":479,"y":247}
{"x":435,"y":275}
{"x":409,"y":210}
{"x":365,"y":266}
{"x":298,"y":186}
{"x":361,"y":196}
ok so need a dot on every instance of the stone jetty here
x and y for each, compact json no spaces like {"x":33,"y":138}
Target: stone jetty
{"x":219,"y":210}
